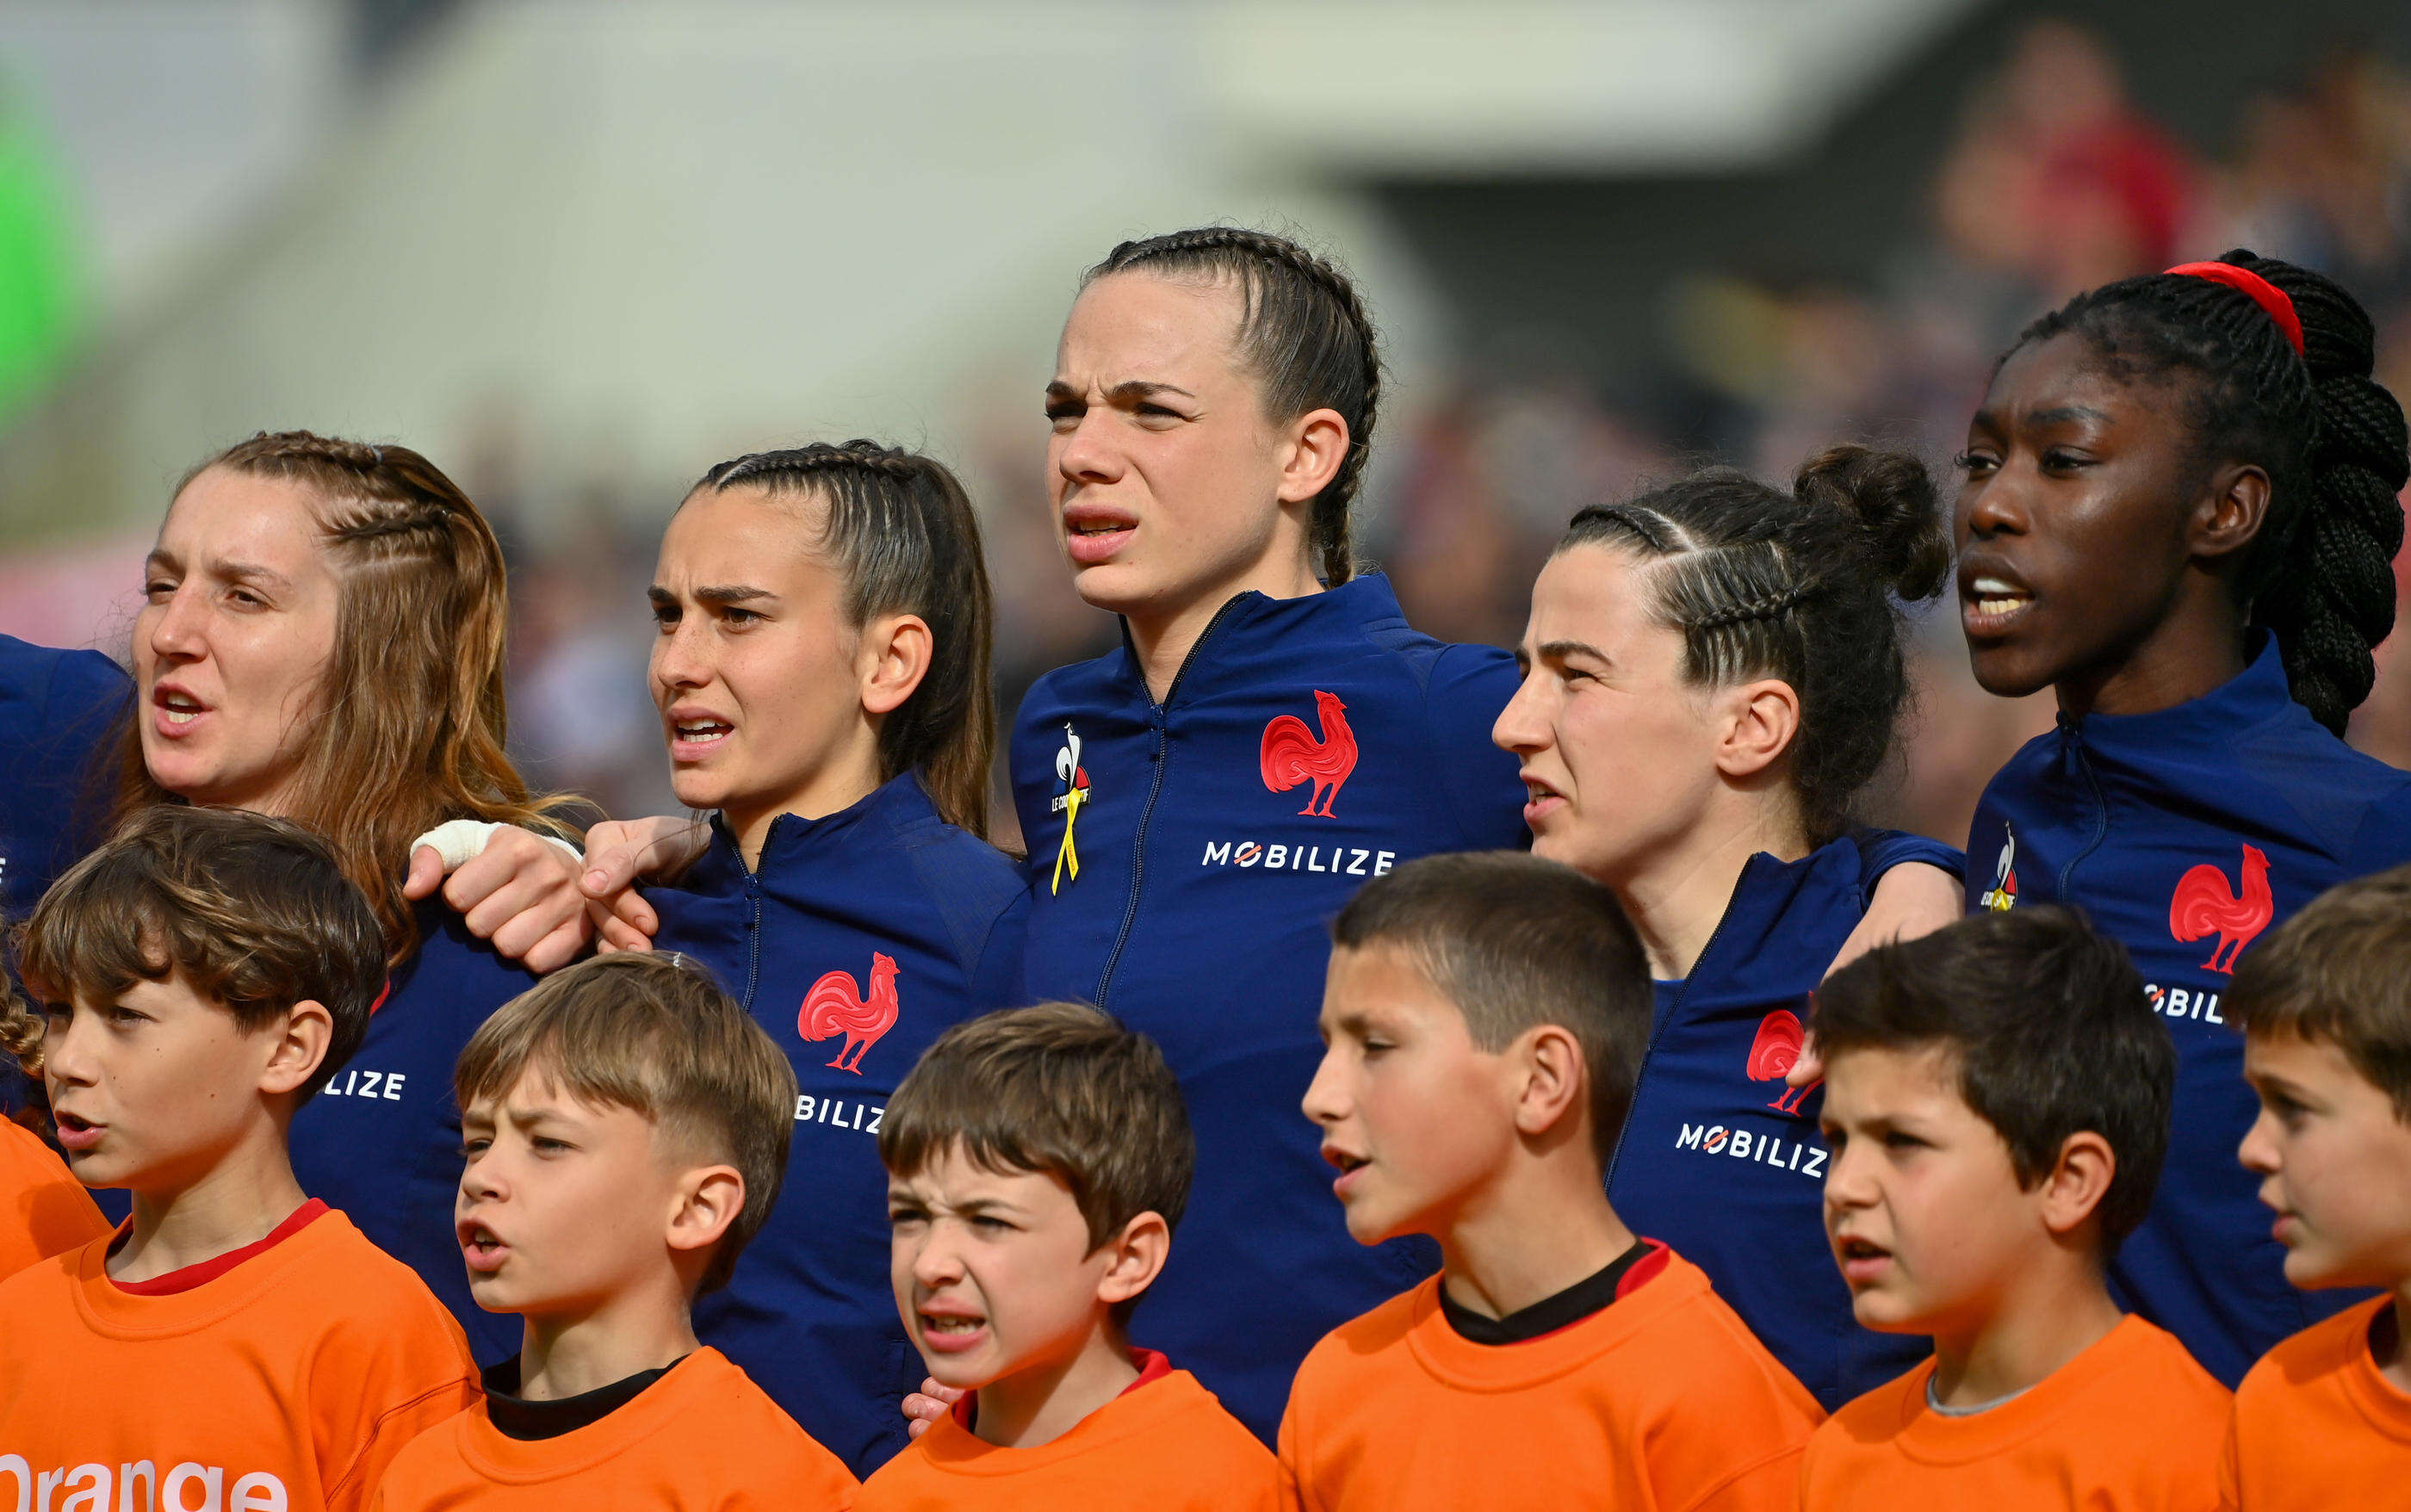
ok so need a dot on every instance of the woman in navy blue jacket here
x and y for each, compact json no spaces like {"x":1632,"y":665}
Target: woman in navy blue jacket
{"x":322,"y":640}
{"x":822,"y":672}
{"x":1200,"y":802}
{"x":2178,"y":515}
{"x":1712,"y":673}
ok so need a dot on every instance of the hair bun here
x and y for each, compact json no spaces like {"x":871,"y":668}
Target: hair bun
{"x":1893,"y":499}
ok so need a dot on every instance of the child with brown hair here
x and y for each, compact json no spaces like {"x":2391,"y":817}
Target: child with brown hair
{"x":2324,"y":1420}
{"x":1486,"y":1017}
{"x":625,"y":1126}
{"x":1038,"y":1159}
{"x":1996,"y":1098}
{"x":235,"y":1343}
{"x":44,"y":1211}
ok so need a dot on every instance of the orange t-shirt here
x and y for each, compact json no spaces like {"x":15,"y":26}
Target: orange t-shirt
{"x":2317,"y":1425}
{"x":2131,"y":1423}
{"x":43,"y":1209}
{"x":1165,"y":1446}
{"x":701,"y":1437}
{"x":1660,"y":1401}
{"x":283,"y":1384}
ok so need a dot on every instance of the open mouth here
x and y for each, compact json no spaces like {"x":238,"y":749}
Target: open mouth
{"x":482,"y":1247}
{"x":1988,"y":603}
{"x":1348,"y":1164}
{"x":702,"y":732}
{"x":1092,"y":535}
{"x":1862,"y":1259}
{"x":177,"y":707}
{"x":76,"y":1132}
{"x":951,"y":1333}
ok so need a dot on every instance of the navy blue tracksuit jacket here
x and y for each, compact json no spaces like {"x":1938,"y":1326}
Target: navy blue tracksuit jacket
{"x":1201,"y":912}
{"x":2188,"y":834}
{"x":61,"y":715}
{"x":858,"y":939}
{"x":383,"y":1141}
{"x":1719,"y":1158}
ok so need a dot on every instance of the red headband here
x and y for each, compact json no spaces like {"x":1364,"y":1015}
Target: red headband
{"x":2260,"y":290}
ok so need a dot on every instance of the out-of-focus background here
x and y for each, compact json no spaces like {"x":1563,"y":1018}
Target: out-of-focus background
{"x":577,"y":252}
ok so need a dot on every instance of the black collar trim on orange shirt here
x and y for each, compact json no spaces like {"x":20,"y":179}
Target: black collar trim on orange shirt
{"x":518,"y":1416}
{"x":1550,"y":1314}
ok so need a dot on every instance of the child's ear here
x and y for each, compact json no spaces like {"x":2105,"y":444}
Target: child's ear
{"x":2075,"y":1186}
{"x":707,"y":1201}
{"x":1758,"y":720}
{"x":1555,"y":1081}
{"x":2232,"y":510}
{"x":1135,"y":1258}
{"x":299,"y":1045}
{"x":891,"y":658}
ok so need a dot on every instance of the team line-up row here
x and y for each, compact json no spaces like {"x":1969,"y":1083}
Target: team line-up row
{"x":2176,"y":509}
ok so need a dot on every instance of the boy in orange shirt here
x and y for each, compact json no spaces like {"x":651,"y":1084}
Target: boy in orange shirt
{"x":1996,"y":1098}
{"x":1037,"y":1160}
{"x":44,"y":1211}
{"x":625,"y":1124}
{"x":2324,"y":1420}
{"x":235,"y":1347}
{"x":1485,"y":1015}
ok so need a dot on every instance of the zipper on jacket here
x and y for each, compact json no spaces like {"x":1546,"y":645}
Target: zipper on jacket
{"x":2072,"y":733}
{"x":752,"y":937}
{"x":1160,"y":718}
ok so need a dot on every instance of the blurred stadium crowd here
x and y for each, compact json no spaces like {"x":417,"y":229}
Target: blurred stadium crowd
{"x":2054,"y":180}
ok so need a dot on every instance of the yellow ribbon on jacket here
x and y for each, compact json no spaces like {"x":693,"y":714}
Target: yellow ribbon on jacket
{"x":1066,"y":855}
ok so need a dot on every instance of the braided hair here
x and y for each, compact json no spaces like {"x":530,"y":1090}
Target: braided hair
{"x":902,"y":531}
{"x":2319,"y":574}
{"x":410,"y":725}
{"x":1805,"y":587}
{"x":1303,"y":333}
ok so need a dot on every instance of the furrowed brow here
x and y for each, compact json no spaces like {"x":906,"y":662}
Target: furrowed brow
{"x":1137,"y":390}
{"x":732,"y":593}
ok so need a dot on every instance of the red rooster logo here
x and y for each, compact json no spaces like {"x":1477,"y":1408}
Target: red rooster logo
{"x":1772,"y":1054}
{"x":2203,"y":904}
{"x":1292,"y":755}
{"x":833,"y":1008}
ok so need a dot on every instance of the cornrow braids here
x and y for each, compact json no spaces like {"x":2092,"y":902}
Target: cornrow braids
{"x":1801,"y":586}
{"x":902,"y":531}
{"x":2331,"y":439}
{"x":1305,"y":333}
{"x":411,"y":721}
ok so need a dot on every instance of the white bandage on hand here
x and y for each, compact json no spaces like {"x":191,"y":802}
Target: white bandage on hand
{"x":456,"y":840}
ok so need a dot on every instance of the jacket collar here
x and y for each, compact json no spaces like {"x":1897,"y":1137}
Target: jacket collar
{"x":2252,"y":697}
{"x":794,"y":840}
{"x":1250,"y":623}
{"x":1764,"y":947}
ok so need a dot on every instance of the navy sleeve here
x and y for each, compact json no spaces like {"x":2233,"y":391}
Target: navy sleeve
{"x":60,"y":715}
{"x":1880,"y":850}
{"x":998,"y":980}
{"x":1468,"y":690}
{"x":2384,"y":839}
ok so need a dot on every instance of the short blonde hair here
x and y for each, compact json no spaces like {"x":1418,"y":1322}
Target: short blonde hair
{"x":655,"y":1035}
